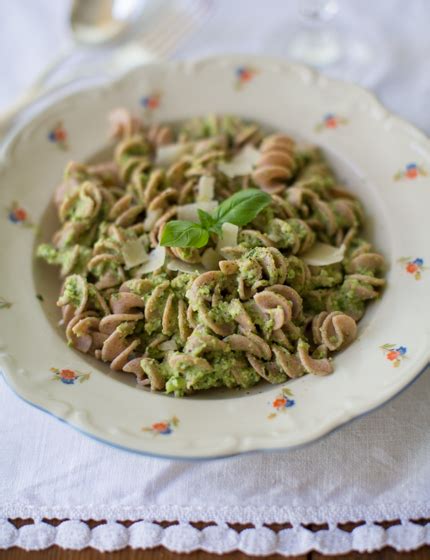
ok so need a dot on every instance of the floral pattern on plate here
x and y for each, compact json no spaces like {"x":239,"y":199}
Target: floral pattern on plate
{"x":331,"y":120}
{"x":58,"y":135}
{"x":69,"y":376}
{"x":395,"y":354}
{"x":244,"y":74}
{"x":281,"y":402}
{"x":165,"y":427}
{"x":412,"y":266}
{"x":17,"y":215}
{"x":152,"y":101}
{"x":410,"y":171}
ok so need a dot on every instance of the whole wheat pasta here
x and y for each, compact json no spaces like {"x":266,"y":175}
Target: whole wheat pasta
{"x":186,"y":318}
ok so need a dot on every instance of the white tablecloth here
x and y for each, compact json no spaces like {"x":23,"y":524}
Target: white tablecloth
{"x":377,"y":468}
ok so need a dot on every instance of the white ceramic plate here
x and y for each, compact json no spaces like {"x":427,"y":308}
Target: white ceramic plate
{"x":381,"y":158}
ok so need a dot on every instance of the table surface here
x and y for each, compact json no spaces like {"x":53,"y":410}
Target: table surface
{"x":159,"y":553}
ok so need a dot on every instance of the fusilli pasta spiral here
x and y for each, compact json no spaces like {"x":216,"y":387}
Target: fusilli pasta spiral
{"x":276,"y":165}
{"x":189,"y":318}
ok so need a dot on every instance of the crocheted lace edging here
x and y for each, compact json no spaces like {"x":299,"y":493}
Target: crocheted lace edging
{"x":218,"y":538}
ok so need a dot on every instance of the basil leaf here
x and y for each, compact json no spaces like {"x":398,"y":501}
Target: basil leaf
{"x":216,"y":229}
{"x":206,"y":219}
{"x":242,"y":207}
{"x":239,"y":209}
{"x":181,"y":233}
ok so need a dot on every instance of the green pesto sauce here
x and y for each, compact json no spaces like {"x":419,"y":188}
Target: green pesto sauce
{"x":291,"y":274}
{"x":80,"y":265}
{"x":105,"y":266}
{"x":144,"y":287}
{"x":282,"y":233}
{"x":315,"y":301}
{"x":71,"y":238}
{"x":327,"y":277}
{"x":48,"y":253}
{"x":221,"y":313}
{"x":65,"y":257}
{"x":176,"y":384}
{"x":235,"y":308}
{"x":88,"y":238}
{"x":296,"y":274}
{"x":264,"y":323}
{"x":204,"y":291}
{"x":193,"y":378}
{"x":341,"y":221}
{"x":153,"y":351}
{"x":346,"y":299}
{"x":276,"y":377}
{"x":93,"y":299}
{"x":136,"y":149}
{"x":224,"y":365}
{"x":81,"y":209}
{"x":299,"y":229}
{"x":126,"y":328}
{"x":267,"y":326}
{"x":320,"y":353}
{"x":249,"y":241}
{"x":181,"y":283}
{"x":154,"y":324}
{"x":71,"y":292}
{"x":250,"y":270}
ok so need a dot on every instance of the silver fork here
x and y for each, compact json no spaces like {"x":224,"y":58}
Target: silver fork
{"x":170,"y":28}
{"x":165,"y":37}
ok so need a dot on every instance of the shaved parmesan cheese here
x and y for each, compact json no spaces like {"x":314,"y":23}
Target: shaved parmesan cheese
{"x":242,"y":164}
{"x":134,"y":253}
{"x":151,"y":217}
{"x":189,"y":211}
{"x":228,"y":237}
{"x":322,"y":254}
{"x":168,"y":345}
{"x":302,"y":146}
{"x":156,"y":260}
{"x":210,"y":259}
{"x":205,"y":188}
{"x":181,"y":266}
{"x":168,"y":154}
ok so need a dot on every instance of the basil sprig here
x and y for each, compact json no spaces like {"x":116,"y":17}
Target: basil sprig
{"x":239,"y":209}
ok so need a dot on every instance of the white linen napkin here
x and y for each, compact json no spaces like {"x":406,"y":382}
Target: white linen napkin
{"x":375,"y":469}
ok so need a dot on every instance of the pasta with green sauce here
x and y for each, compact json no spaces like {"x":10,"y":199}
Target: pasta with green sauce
{"x":210,"y":254}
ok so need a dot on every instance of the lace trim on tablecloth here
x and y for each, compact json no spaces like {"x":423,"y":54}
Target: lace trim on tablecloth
{"x":219,"y":538}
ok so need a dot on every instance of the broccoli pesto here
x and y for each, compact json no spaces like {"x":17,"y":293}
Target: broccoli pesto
{"x":209,"y":254}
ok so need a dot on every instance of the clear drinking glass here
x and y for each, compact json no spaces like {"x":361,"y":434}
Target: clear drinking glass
{"x":316,"y":42}
{"x":339,"y":37}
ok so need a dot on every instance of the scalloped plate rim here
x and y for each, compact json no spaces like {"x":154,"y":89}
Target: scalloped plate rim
{"x":195,"y":458}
